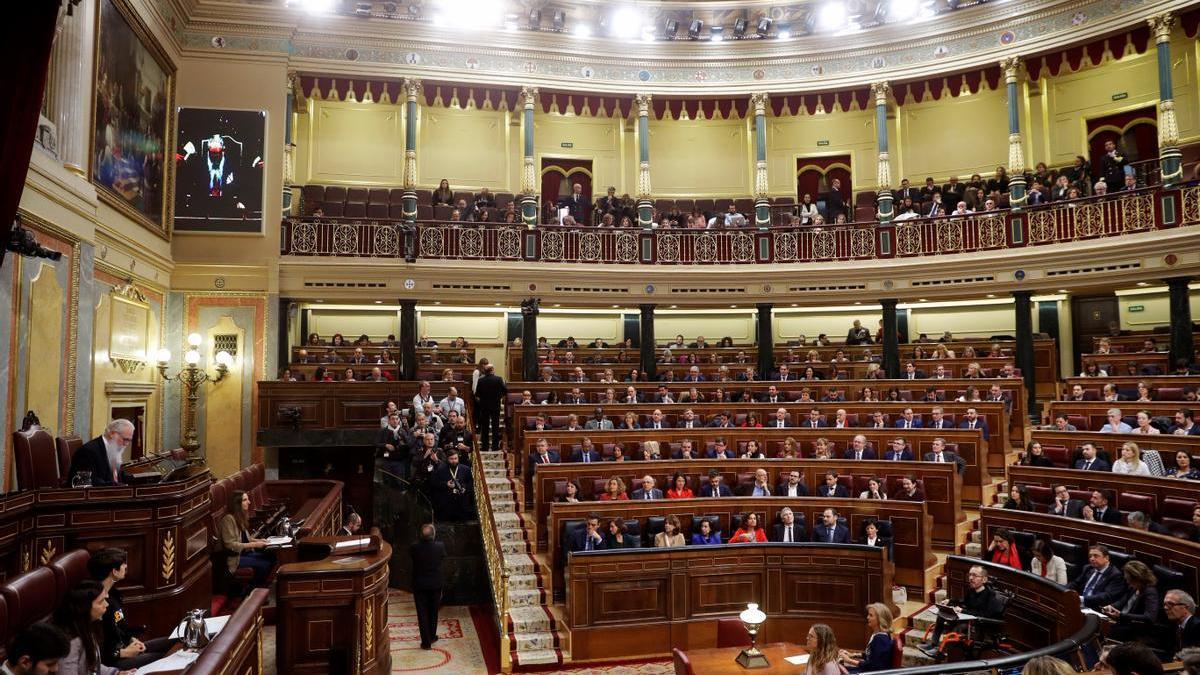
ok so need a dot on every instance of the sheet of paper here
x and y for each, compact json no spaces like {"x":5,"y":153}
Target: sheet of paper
{"x":211,"y":626}
{"x":797,"y":660}
{"x":278,"y":541}
{"x":177,"y":661}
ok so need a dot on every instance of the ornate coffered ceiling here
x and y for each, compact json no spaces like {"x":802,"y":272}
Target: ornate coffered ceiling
{"x":415,"y":45}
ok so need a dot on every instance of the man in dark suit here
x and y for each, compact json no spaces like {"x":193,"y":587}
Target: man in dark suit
{"x":1100,"y":583}
{"x":1180,"y":609}
{"x":858,"y":449}
{"x":792,"y":487}
{"x":911,"y":372}
{"x":720,"y":419}
{"x":813,"y":421}
{"x":589,"y":538}
{"x":771,"y":396}
{"x":939,"y":453}
{"x":829,"y":530}
{"x":1112,"y":166}
{"x":831,"y":487}
{"x":102,"y":455}
{"x":720,"y":450}
{"x":490,"y":393}
{"x":714,"y":487}
{"x":778,"y":420}
{"x":647,"y":491}
{"x":972,"y":420}
{"x":1138,"y":520}
{"x":938,"y":420}
{"x":657,"y":421}
{"x":427,"y":557}
{"x":392,"y":447}
{"x":576,"y":204}
{"x":1185,"y":423}
{"x":908,"y":420}
{"x":453,"y":490}
{"x":1063,"y":505}
{"x":586,"y":453}
{"x":835,"y":203}
{"x":899,"y":452}
{"x":690,"y":420}
{"x":906,"y":192}
{"x":1099,"y":510}
{"x":1089,"y":461}
{"x":787,"y":530}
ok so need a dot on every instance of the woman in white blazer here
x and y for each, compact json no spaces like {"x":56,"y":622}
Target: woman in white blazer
{"x":1047,"y":565}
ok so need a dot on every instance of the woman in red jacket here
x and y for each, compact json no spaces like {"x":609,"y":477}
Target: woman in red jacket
{"x":749,"y":532}
{"x":1002,"y":550}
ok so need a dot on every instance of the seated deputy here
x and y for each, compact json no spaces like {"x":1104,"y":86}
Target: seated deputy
{"x":121,"y":647}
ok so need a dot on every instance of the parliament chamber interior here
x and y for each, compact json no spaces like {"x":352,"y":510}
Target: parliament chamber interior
{"x":346,"y":336}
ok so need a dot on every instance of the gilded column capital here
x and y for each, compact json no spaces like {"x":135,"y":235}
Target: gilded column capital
{"x":530,"y":96}
{"x":1012,"y":68}
{"x":759,"y":100}
{"x":881,"y":91}
{"x":412,"y":88}
{"x":643,"y":104}
{"x":1161,"y":26}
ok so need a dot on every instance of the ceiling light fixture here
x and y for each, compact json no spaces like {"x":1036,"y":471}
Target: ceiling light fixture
{"x":831,"y":16}
{"x":739,"y":28}
{"x":625,"y":23}
{"x":648,"y":33}
{"x":716,"y":33}
{"x":694,"y":28}
{"x":559,"y":20}
{"x":670,"y":28}
{"x":764,"y":26}
{"x":535,"y":19}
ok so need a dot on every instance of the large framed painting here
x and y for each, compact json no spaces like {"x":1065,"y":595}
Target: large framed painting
{"x":218,"y":158}
{"x":131,"y":130}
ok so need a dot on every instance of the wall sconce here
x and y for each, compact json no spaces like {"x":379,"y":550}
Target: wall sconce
{"x":191,"y":376}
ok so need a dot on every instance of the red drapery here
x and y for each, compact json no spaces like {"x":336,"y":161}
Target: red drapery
{"x":814,"y":175}
{"x":27,"y":39}
{"x":1135,"y":131}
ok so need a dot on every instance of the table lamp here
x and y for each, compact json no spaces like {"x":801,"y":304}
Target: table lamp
{"x":752,"y":618}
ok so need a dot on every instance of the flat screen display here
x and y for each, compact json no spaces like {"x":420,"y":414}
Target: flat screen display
{"x":219,"y":157}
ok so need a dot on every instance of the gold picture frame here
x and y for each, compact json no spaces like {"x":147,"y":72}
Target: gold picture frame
{"x":128,"y":329}
{"x":133,"y":90}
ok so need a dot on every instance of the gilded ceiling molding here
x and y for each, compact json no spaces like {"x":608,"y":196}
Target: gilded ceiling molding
{"x":385,"y":48}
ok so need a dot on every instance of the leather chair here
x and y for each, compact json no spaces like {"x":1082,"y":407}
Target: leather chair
{"x":683,"y":666}
{"x":31,"y":597}
{"x":1132,"y":501}
{"x":654,"y":525}
{"x":1119,"y":558}
{"x":36,"y":460}
{"x":569,"y":528}
{"x":66,"y":448}
{"x":714,"y":521}
{"x":69,"y":570}
{"x":1168,"y":579}
{"x":731,"y":632}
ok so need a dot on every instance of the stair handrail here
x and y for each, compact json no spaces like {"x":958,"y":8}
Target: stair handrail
{"x":494,"y":557}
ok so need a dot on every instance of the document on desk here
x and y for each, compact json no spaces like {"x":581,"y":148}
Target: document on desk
{"x":797,"y":660}
{"x":212,"y":626}
{"x":278,"y":541}
{"x":173,"y":663}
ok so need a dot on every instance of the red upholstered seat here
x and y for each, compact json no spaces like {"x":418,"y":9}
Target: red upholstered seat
{"x":683,"y":666}
{"x":1132,"y":501}
{"x":1079,"y":422}
{"x":69,"y":570}
{"x":36,"y":460}
{"x":731,"y":632}
{"x":31,"y":597}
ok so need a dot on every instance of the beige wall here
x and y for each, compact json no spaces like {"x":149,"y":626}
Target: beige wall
{"x":953,"y":136}
{"x":1156,"y":308}
{"x":360,"y":143}
{"x":601,"y":139}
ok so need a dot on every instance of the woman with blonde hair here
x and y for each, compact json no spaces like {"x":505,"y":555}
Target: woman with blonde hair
{"x":790,"y":449}
{"x":1130,"y":461}
{"x":880,"y":646}
{"x":1047,"y":665}
{"x":822,"y":651}
{"x":614,"y":490}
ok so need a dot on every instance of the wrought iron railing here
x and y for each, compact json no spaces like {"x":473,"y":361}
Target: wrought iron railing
{"x":1112,"y":215}
{"x":494,"y":557}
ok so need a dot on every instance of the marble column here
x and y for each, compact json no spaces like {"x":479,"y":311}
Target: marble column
{"x":886,"y":209}
{"x":645,"y":207}
{"x":1016,"y":155}
{"x":529,"y":340}
{"x":646,"y":342}
{"x":412,"y":89}
{"x":69,"y":106}
{"x":765,"y":341}
{"x":1170,"y":158}
{"x":762,"y":205}
{"x":1024,"y":321}
{"x":529,"y":179}
{"x":891,"y":339}
{"x":408,"y":340}
{"x":1182,"y":346}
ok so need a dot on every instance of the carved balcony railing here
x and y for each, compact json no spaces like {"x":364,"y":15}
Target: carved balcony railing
{"x":1090,"y":218}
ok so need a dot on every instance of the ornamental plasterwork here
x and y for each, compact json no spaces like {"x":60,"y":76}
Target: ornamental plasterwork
{"x":956,"y":41}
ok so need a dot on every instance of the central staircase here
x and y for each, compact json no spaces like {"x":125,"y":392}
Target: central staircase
{"x":529,"y":632}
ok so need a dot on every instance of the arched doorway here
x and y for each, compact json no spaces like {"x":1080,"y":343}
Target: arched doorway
{"x":815,"y":176}
{"x":1136,"y":133}
{"x":559,"y":174}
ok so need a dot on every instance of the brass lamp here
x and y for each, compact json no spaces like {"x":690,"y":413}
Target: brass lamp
{"x":191,"y":377}
{"x":752,"y":618}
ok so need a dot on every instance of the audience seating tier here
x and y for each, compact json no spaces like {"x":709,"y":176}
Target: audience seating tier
{"x":1165,"y":500}
{"x":237,"y":649}
{"x":1041,"y":612}
{"x":969,"y":445}
{"x":1062,"y":447}
{"x":652,"y":601}
{"x":1165,"y":388}
{"x":304,"y":372}
{"x":445,"y":354}
{"x":911,"y":525}
{"x":914,"y":390}
{"x":1156,"y":363}
{"x":317,"y":503}
{"x":1131,"y":341}
{"x":940,"y":483}
{"x":1093,"y":415}
{"x":351,"y":408}
{"x":1071,"y":538}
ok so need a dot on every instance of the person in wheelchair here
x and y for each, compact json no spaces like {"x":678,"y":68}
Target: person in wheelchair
{"x":981,"y":601}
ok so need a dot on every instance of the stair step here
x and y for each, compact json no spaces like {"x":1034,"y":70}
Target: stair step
{"x":520,"y":564}
{"x":524,"y":581}
{"x":976,"y":537}
{"x":915,"y":657}
{"x":974,"y":550}
{"x":514,"y":546}
{"x":940,"y":595}
{"x":525,"y":598}
{"x":533,"y":642}
{"x":543,"y":657}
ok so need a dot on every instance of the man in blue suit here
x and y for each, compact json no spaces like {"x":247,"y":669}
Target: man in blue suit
{"x":587,"y":453}
{"x":714,"y":487}
{"x":899,"y":451}
{"x":974,"y":421}
{"x":589,"y":538}
{"x":829,"y":530}
{"x":1089,"y":461}
{"x":814,"y":420}
{"x":908,"y":420}
{"x":858,"y":449}
{"x":938,"y":420}
{"x":1100,"y":583}
{"x":831,"y":487}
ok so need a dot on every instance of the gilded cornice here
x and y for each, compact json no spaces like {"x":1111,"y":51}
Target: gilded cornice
{"x":961,"y":40}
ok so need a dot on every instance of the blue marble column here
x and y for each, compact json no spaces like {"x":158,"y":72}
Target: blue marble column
{"x":1170,"y":158}
{"x":1016,"y":155}
{"x":762,"y":205}
{"x":645,"y":206}
{"x":884,"y":178}
{"x":529,"y":181}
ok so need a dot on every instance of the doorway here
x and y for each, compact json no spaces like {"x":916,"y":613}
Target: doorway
{"x":137,"y":415}
{"x":815,"y":176}
{"x":1135,"y":132}
{"x":1091,"y":318}
{"x":559,"y":175}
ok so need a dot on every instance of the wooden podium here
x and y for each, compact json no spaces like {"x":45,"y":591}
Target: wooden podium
{"x":332,"y":607}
